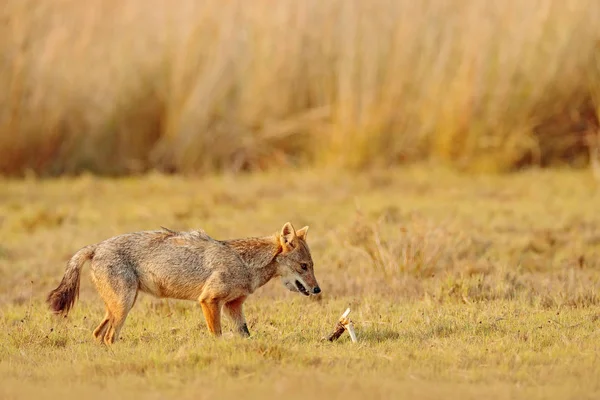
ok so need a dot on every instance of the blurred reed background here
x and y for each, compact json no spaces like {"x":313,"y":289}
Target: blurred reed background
{"x":118,"y":87}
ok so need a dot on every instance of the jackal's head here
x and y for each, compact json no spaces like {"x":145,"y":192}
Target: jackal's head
{"x":295,"y":264}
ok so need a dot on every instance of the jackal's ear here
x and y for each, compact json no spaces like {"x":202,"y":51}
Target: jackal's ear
{"x":288,"y":234}
{"x":301,"y":233}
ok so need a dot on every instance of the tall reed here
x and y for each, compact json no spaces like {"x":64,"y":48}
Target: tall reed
{"x":119,"y":87}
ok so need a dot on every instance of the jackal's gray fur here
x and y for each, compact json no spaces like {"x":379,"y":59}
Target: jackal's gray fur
{"x":189,"y":266}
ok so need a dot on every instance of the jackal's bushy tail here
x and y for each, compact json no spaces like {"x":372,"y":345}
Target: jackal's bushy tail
{"x":63,"y":297}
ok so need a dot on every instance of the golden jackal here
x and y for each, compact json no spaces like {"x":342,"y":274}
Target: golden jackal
{"x":189,"y":266}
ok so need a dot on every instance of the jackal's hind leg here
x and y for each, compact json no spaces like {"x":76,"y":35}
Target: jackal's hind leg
{"x":119,"y":291}
{"x":101,"y":329}
{"x":234,"y":310}
{"x":119,"y":311}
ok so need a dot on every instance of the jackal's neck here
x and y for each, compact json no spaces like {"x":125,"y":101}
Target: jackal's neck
{"x":259,"y":254}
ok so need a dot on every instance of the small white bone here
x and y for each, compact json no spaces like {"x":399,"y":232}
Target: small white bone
{"x":350,"y":328}
{"x":345,"y":314}
{"x":343,"y":324}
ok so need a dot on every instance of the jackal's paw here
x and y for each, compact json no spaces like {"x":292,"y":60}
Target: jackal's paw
{"x":228,"y":335}
{"x":243,"y":330}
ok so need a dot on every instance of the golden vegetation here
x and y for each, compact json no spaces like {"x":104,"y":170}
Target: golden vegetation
{"x":119,"y":87}
{"x":460,"y":287}
{"x":474,"y":287}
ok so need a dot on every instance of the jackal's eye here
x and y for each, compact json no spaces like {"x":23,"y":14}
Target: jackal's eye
{"x":304,"y":266}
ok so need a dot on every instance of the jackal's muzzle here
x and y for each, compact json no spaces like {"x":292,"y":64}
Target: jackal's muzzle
{"x":302,"y":289}
{"x":298,"y":286}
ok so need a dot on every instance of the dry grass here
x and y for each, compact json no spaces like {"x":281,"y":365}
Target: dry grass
{"x":480,"y":287}
{"x":118,"y":87}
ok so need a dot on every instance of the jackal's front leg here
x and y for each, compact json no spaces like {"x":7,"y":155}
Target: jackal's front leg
{"x":234,"y":309}
{"x":212,"y":313}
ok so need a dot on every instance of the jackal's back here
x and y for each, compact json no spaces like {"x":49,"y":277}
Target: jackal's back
{"x":166,"y":263}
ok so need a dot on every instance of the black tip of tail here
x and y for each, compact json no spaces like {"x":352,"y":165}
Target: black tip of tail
{"x":61,"y":299}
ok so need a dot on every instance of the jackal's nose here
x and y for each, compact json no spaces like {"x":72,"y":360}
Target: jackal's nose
{"x":317,"y":290}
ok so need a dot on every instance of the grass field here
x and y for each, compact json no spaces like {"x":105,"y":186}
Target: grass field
{"x":461,"y":287}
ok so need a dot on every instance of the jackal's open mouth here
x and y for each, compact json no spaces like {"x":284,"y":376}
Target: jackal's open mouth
{"x":302,"y":289}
